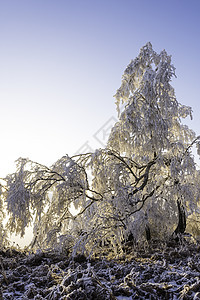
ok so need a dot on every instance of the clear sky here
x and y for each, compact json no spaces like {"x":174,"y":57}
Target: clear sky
{"x":61,"y":62}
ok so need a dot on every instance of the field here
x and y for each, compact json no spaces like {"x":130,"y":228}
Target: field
{"x":168,"y":271}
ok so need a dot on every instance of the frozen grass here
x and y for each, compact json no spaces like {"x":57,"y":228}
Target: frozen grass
{"x":170,"y":272}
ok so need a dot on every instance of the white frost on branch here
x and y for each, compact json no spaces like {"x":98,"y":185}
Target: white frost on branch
{"x":131,"y":187}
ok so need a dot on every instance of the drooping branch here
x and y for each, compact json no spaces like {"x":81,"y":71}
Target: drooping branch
{"x":145,"y":178}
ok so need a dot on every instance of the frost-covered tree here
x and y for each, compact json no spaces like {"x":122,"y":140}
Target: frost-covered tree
{"x":145,"y":182}
{"x":3,"y":235}
{"x":150,"y":132}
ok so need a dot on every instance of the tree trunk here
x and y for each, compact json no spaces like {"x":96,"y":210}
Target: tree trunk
{"x":181,"y":219}
{"x":148,"y":232}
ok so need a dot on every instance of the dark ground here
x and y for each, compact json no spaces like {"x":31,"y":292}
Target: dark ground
{"x":169,"y":272}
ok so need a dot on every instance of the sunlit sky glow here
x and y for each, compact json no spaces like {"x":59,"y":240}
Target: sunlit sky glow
{"x":61,"y":62}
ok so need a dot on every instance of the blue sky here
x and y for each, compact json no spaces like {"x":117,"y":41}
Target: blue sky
{"x":61,"y":62}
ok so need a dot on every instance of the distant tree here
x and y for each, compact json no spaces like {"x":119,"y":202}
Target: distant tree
{"x":3,"y":235}
{"x":144,"y":184}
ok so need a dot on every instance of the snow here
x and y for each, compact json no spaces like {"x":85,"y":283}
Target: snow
{"x":164,"y":273}
{"x":124,"y":298}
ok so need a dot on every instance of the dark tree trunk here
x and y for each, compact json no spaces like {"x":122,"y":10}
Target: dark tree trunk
{"x":148,"y":232}
{"x":181,"y":219}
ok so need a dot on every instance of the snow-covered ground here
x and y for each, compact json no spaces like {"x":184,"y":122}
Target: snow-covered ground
{"x":172,"y":272}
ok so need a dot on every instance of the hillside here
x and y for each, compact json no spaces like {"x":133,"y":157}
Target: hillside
{"x":153,"y":272}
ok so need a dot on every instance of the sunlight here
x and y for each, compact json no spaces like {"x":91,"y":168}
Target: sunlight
{"x":73,"y":210}
{"x":22,"y":242}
